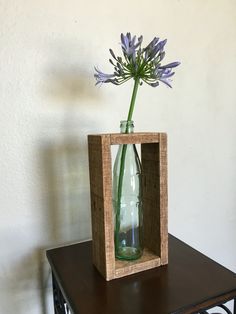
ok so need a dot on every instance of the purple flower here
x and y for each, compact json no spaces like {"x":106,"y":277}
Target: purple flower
{"x":164,"y":76}
{"x":140,"y":64}
{"x":163,"y":73}
{"x":129,"y":45}
{"x":103,"y":78}
{"x":153,"y":48}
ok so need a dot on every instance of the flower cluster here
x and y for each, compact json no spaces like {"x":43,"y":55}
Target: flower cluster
{"x":142,"y":64}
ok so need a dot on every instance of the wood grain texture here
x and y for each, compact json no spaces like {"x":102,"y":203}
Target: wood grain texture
{"x":101,"y":204}
{"x":163,"y":199}
{"x":154,"y":178}
{"x":147,"y":261}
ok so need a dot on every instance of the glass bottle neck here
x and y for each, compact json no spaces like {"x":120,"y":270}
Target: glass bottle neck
{"x":126,"y":126}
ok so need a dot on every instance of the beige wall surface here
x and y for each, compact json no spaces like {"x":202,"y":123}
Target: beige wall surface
{"x":49,"y":104}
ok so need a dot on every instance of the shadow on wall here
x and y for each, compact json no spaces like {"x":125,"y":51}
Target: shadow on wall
{"x":70,"y":86}
{"x":64,"y":162}
{"x":45,"y":283}
{"x":66,"y":178}
{"x":67,"y":202}
{"x":28,"y":281}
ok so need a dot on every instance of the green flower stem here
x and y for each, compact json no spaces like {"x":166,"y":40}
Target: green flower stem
{"x":122,"y":162}
{"x":132,"y":102}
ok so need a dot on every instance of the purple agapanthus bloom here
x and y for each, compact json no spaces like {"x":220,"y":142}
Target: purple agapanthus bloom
{"x":140,"y":64}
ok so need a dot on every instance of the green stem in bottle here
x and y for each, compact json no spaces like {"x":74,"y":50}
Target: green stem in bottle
{"x":122,"y":162}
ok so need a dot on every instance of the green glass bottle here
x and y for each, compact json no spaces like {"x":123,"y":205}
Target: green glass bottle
{"x":127,"y":200}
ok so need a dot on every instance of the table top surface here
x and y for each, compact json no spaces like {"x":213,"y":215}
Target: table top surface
{"x":190,"y":282}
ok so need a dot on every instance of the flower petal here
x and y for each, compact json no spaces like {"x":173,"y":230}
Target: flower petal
{"x":170,"y":65}
{"x":103,"y":77}
{"x":167,"y":82}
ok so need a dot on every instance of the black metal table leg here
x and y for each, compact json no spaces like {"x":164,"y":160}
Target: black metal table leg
{"x":60,"y":305}
{"x":224,"y":307}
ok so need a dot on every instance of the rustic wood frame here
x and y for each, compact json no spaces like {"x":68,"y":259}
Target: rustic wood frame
{"x":155,"y":202}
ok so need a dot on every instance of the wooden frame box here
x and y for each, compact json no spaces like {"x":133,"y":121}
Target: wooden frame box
{"x":154,"y":178}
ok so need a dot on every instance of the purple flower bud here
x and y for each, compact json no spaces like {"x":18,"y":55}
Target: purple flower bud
{"x":129,"y":46}
{"x":112,"y":53}
{"x":111,"y":62}
{"x":154,"y":84}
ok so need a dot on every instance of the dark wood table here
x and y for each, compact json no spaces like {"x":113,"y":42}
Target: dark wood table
{"x":190,"y":283}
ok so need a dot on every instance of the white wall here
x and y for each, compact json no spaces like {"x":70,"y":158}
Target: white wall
{"x":49,"y":104}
